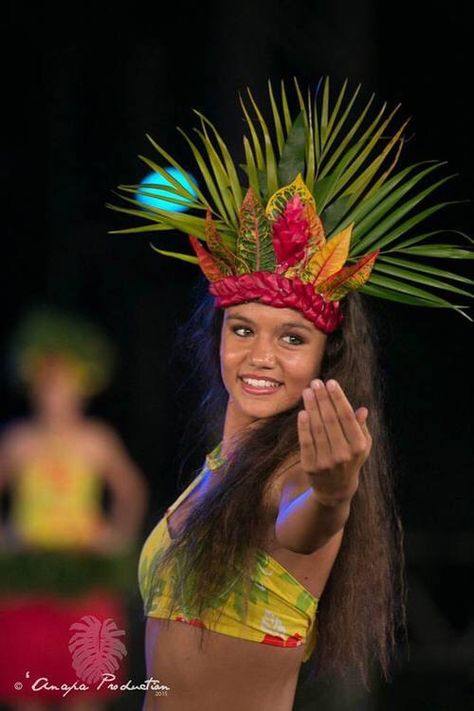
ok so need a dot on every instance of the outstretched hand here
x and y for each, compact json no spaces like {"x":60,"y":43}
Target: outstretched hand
{"x":334,"y":441}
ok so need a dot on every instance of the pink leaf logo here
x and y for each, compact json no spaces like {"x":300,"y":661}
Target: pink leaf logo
{"x":95,"y":648}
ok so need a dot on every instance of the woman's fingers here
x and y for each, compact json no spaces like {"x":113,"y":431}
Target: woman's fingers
{"x":350,"y":423}
{"x":318,"y":430}
{"x":330,"y":417}
{"x":307,"y":449}
{"x":364,"y":428}
{"x":329,"y":429}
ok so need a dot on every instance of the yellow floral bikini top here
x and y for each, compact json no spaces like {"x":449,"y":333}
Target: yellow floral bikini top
{"x":281,"y":611}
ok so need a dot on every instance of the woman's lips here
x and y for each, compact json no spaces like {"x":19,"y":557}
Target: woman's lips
{"x":254,"y":390}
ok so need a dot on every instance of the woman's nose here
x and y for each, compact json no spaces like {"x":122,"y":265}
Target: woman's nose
{"x":262,"y":354}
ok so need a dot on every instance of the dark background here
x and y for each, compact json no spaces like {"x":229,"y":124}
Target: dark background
{"x":82,"y":84}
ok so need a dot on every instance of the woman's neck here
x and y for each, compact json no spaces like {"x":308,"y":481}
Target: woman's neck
{"x":235,"y":423}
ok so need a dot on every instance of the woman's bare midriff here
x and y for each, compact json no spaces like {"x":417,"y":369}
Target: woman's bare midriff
{"x":226,"y":673}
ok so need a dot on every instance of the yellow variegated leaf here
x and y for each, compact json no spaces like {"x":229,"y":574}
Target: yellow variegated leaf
{"x":349,"y":278}
{"x":331,"y":258}
{"x":278,"y":201}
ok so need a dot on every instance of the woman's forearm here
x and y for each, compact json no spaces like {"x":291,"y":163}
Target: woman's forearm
{"x":306,"y":524}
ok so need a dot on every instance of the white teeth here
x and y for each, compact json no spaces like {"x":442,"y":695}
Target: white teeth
{"x":260,"y":383}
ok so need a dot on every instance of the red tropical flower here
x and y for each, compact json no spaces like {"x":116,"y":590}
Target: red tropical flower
{"x":291,"y":232}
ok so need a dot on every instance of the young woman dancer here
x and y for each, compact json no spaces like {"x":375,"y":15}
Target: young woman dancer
{"x":288,"y":541}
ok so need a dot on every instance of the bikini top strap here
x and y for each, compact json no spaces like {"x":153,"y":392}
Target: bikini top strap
{"x":187,"y":490}
{"x":213,"y":460}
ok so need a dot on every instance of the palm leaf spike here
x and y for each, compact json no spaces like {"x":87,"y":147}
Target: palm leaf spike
{"x":270,"y":160}
{"x":228,"y":162}
{"x":208,"y":179}
{"x":177,"y":255}
{"x":334,"y":113}
{"x":251,"y":166}
{"x":324,"y":112}
{"x":378,"y":234}
{"x":419,"y":238}
{"x":385,"y":175}
{"x":340,"y":150}
{"x":256,"y":142}
{"x":280,"y":136}
{"x":425,"y":268}
{"x":356,"y":156}
{"x":316,"y":145}
{"x":367,"y":212}
{"x":169,"y":177}
{"x":349,"y":162}
{"x":334,"y":130}
{"x":310,"y":157}
{"x":176,"y":165}
{"x":165,"y":220}
{"x":285,"y":108}
{"x":419,"y":277}
{"x":221,"y":177}
{"x":149,"y":190}
{"x":361,"y":184}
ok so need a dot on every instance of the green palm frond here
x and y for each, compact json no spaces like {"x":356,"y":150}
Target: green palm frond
{"x":348,"y":157}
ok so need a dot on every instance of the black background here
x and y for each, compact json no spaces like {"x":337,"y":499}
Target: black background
{"x":82,"y":85}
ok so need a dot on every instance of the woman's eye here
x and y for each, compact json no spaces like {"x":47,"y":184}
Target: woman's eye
{"x":237,"y":329}
{"x":243,"y":332}
{"x":294,"y":340}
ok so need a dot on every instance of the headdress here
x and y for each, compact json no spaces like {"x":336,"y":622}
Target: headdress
{"x":322,"y":212}
{"x":49,"y":335}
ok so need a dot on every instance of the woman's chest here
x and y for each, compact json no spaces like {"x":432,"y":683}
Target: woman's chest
{"x":312,"y":570}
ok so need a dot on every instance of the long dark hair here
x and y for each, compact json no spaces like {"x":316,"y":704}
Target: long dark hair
{"x":362,"y":609}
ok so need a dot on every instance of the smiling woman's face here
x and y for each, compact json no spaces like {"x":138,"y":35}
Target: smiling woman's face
{"x":268,"y":356}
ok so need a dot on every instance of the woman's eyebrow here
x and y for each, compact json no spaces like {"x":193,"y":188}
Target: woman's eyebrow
{"x":287,"y":324}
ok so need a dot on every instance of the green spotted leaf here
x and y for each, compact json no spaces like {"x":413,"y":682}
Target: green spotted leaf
{"x":255,"y":246}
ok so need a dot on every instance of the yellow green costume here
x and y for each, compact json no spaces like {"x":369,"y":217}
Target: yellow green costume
{"x":281,"y":611}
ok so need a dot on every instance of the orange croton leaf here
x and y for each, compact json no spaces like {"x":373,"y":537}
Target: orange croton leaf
{"x":331,"y":258}
{"x":317,"y":237}
{"x":222,"y":255}
{"x":207,"y":263}
{"x":349,"y":278}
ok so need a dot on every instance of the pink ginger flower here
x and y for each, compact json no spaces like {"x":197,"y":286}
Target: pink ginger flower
{"x":291,"y":232}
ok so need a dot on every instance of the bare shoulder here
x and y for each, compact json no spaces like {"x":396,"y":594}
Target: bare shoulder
{"x":16,"y":435}
{"x":17,"y":443}
{"x":100,"y":434}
